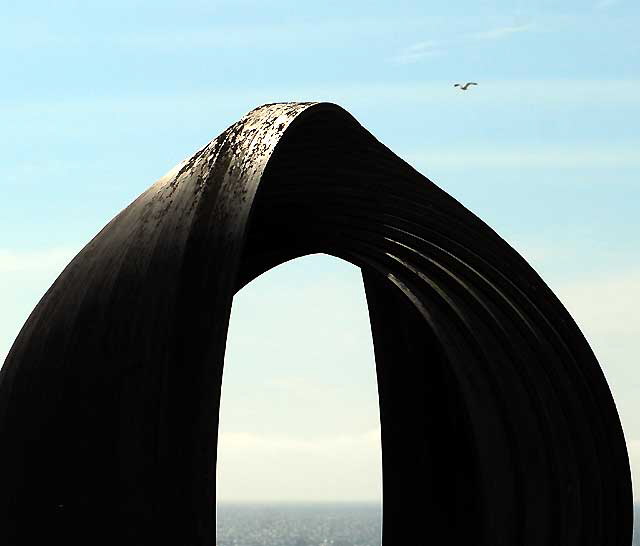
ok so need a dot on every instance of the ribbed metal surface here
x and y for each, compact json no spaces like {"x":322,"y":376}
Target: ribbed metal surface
{"x":498,"y":427}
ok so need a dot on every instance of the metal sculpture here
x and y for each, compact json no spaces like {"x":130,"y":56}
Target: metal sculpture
{"x":498,"y":427}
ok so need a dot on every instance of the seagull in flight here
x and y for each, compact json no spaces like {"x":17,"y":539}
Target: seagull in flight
{"x":464,"y":86}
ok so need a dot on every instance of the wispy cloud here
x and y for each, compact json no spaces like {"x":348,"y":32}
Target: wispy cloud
{"x":45,"y":260}
{"x":418,"y":51}
{"x":605,"y":305}
{"x":431,"y":48}
{"x":503,"y":32}
{"x":606,"y":4}
{"x":270,"y":467}
{"x":530,"y":158}
{"x":330,"y":445}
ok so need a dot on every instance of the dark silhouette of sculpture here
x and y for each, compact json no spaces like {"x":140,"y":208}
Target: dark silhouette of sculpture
{"x":498,"y":427}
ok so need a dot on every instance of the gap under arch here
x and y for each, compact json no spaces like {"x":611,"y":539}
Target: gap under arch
{"x":299,"y":414}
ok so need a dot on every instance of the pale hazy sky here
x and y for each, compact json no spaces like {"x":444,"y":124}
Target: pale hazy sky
{"x":100,"y":99}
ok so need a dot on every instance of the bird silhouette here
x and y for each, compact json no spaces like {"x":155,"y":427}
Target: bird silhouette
{"x":464,"y":86}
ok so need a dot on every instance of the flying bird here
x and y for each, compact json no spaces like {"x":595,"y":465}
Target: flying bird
{"x":464,"y":86}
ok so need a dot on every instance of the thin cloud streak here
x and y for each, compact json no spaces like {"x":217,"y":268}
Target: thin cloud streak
{"x":327,"y":445}
{"x":48,"y":260}
{"x":503,"y":32}
{"x":606,"y":4}
{"x":527,"y":158}
{"x":430,"y":48}
{"x":417,"y":52}
{"x":605,"y":305}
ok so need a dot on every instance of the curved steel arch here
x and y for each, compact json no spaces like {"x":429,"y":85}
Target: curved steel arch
{"x":498,"y":427}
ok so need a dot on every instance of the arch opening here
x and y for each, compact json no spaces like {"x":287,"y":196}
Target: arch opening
{"x":299,"y":434}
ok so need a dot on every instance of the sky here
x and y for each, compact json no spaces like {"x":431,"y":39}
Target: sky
{"x":98,"y":100}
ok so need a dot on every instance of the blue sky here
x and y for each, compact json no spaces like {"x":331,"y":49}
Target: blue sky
{"x":98,"y":100}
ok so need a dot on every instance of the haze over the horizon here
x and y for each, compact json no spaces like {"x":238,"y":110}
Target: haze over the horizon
{"x":99,"y":100}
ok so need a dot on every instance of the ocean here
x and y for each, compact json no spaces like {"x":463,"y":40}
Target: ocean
{"x":320,"y":524}
{"x":284,"y":524}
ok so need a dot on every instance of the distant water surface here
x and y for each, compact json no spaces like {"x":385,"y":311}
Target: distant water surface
{"x":280,"y":524}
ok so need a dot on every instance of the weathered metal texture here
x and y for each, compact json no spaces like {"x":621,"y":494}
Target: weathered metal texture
{"x":498,"y":427}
